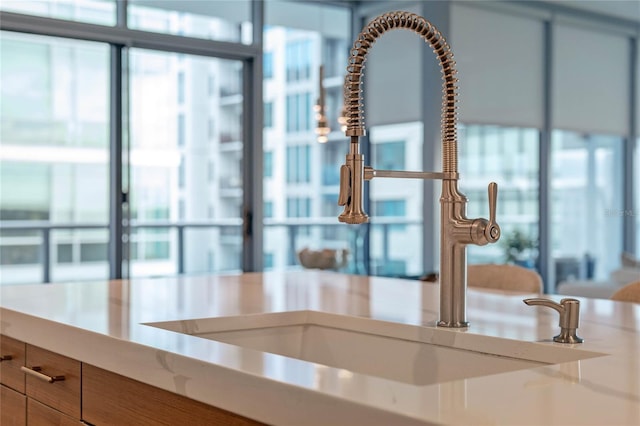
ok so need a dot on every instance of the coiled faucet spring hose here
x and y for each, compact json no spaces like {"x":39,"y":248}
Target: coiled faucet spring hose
{"x":353,"y":79}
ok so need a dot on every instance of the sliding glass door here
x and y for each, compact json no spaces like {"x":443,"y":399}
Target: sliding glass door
{"x":121,"y":161}
{"x":185,"y":164}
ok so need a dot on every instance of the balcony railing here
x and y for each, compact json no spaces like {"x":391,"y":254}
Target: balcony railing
{"x":298,"y":233}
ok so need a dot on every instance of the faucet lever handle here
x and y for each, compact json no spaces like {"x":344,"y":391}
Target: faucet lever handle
{"x":492,"y":231}
{"x":345,"y":185}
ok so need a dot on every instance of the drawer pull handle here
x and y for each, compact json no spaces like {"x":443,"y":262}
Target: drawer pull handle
{"x":5,"y":358}
{"x":35,"y":372}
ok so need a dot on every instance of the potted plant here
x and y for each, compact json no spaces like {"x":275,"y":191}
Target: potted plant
{"x":520,"y":249}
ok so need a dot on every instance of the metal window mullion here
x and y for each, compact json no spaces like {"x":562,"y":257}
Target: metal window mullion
{"x":120,"y":35}
{"x":122,"y":7}
{"x":180,"y":229}
{"x":545,"y":260}
{"x":628,"y":221}
{"x":116,"y":228}
{"x":46,"y":255}
{"x":252,"y":171}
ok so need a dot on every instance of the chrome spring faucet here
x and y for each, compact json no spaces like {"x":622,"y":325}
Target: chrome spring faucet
{"x":456,"y":230}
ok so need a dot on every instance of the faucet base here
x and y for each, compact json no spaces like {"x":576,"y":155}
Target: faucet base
{"x":456,"y":324}
{"x":353,"y":218}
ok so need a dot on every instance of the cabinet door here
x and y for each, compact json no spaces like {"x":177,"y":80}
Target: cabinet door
{"x":12,"y":354}
{"x":13,"y":409}
{"x":109,"y":398}
{"x":40,"y":415}
{"x":63,"y":395}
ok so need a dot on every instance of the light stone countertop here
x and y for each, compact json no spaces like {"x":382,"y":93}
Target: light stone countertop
{"x":103,"y":324}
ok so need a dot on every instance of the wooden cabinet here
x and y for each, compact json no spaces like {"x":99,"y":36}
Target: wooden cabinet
{"x":109,"y":398}
{"x":62,"y":395}
{"x":13,"y":402}
{"x":12,"y":354}
{"x":43,"y":415}
{"x":89,"y":394}
{"x":13,"y":407}
{"x":28,"y":397}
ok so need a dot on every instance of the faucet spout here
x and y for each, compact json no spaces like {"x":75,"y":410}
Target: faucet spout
{"x":355,"y":70}
{"x":456,"y":229}
{"x":351,"y":192}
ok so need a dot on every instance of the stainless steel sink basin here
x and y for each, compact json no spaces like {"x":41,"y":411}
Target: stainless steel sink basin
{"x":405,"y":353}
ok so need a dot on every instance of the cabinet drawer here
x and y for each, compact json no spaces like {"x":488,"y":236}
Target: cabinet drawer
{"x":12,"y":353}
{"x":13,"y":407}
{"x":40,"y":415}
{"x":63,"y":394}
{"x":111,"y":399}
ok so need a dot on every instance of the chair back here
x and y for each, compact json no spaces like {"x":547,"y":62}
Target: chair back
{"x":504,"y":277}
{"x":628,"y":293}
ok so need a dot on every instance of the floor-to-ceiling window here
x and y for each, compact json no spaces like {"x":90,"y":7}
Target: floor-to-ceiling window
{"x":182,"y":142}
{"x":301,"y":182}
{"x":586,"y":205}
{"x":396,"y":207}
{"x":508,"y":156}
{"x":184,"y":187}
{"x":590,"y":105}
{"x":501,"y":108}
{"x":54,"y":161}
{"x":185,"y":163}
{"x":392,"y":97}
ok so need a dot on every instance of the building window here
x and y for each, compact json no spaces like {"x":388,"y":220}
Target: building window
{"x":268,"y":260}
{"x":181,"y":129}
{"x":211,"y":85}
{"x":267,"y":64}
{"x":298,"y":112}
{"x":268,"y":164}
{"x":336,"y":52}
{"x":298,"y":164}
{"x":268,"y":209}
{"x":334,"y":103}
{"x":211,"y":171}
{"x":391,"y":208}
{"x":332,"y":159}
{"x":211,"y":128}
{"x":330,"y":207}
{"x":181,"y":172}
{"x":268,"y":114}
{"x":389,"y":155}
{"x":298,"y":207}
{"x":181,"y":87}
{"x":298,"y":56}
{"x":93,"y":252}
